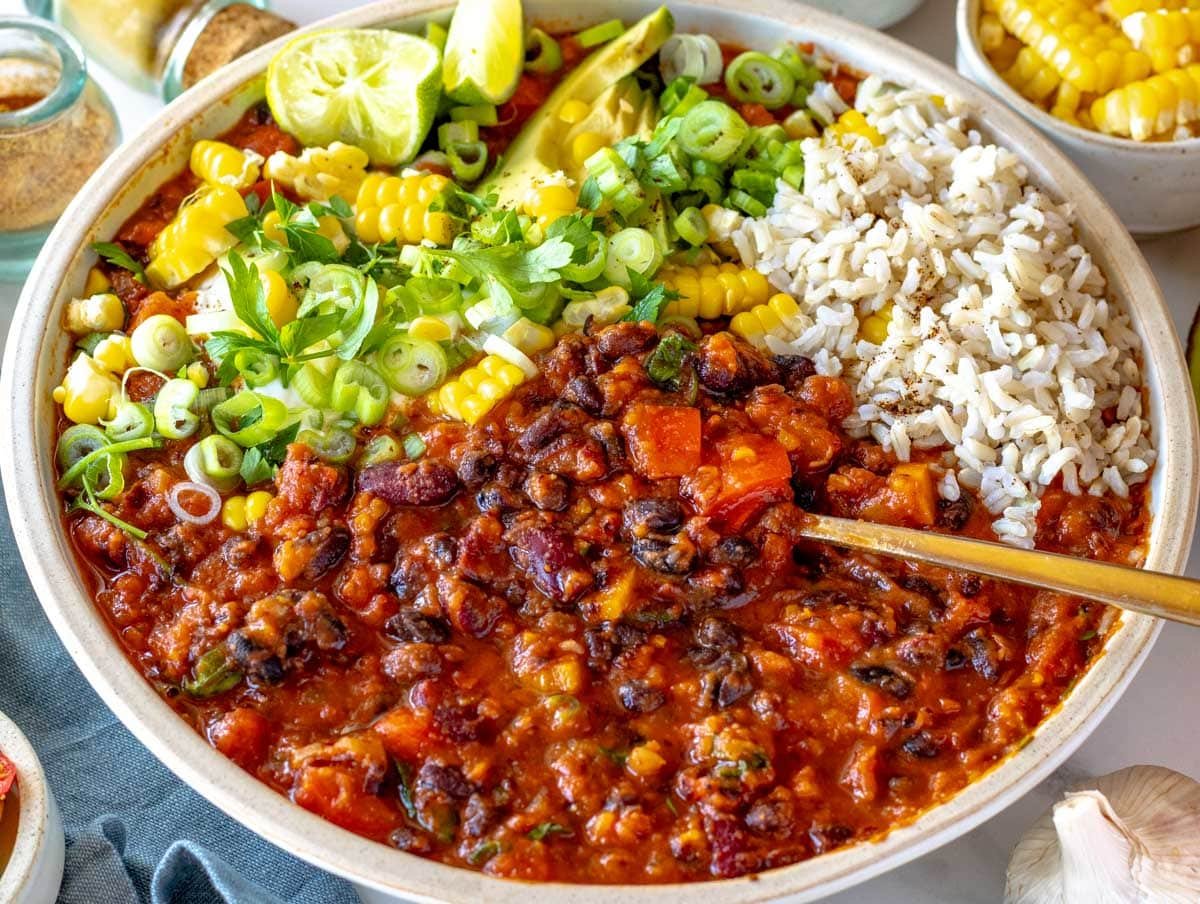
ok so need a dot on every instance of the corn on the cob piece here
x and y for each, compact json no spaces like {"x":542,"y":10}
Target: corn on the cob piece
{"x":1006,"y":54}
{"x":1153,"y":106}
{"x":218,"y":163}
{"x":397,"y":207}
{"x":319,"y":174}
{"x":779,"y":316}
{"x":852,"y":124}
{"x":1168,"y":37}
{"x":1031,"y":76}
{"x":1120,"y":9}
{"x":711,"y":291}
{"x":475,"y":391}
{"x":546,"y":203}
{"x":991,"y":33}
{"x":1084,"y":50}
{"x":196,"y":236}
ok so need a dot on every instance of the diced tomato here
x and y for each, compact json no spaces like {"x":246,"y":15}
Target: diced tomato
{"x":755,"y":472}
{"x":161,"y":303}
{"x":337,"y":793}
{"x":756,"y":114}
{"x":664,"y":440}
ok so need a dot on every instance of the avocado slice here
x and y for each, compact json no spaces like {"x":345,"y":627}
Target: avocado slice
{"x":618,"y":106}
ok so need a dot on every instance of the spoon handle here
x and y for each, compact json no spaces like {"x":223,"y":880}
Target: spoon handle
{"x":1149,"y":592}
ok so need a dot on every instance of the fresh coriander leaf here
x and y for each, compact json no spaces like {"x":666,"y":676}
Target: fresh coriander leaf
{"x":305,"y":244}
{"x":304,"y":332}
{"x":249,"y":298}
{"x":214,"y":674}
{"x":405,"y":790}
{"x":651,"y":297}
{"x":576,"y":230}
{"x":483,"y":852}
{"x":666,"y":361}
{"x":119,"y":257}
{"x":281,"y":205}
{"x":497,"y":227}
{"x":339,"y":207}
{"x":260,"y":462}
{"x":617,"y":755}
{"x":245,"y":229}
{"x":590,"y":196}
{"x":545,"y":829}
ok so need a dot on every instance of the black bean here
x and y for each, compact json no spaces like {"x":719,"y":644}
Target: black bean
{"x":805,"y":495}
{"x":732,"y":687}
{"x":547,"y":426}
{"x":638,"y":697}
{"x":717,"y":582}
{"x":443,"y":549}
{"x":643,"y":516}
{"x":496,"y":499}
{"x":406,"y":839}
{"x":794,"y":370}
{"x":600,"y":647}
{"x":921,"y":745}
{"x":623,"y":339}
{"x":727,"y":366}
{"x":421,"y":483}
{"x":476,"y":467}
{"x":604,"y":433}
{"x":410,"y":626}
{"x":735,"y":551}
{"x":985,"y":654}
{"x":255,"y":661}
{"x":969,"y":585}
{"x":627,"y":635}
{"x":955,"y":660}
{"x":826,"y":838}
{"x":477,"y":816}
{"x":665,"y":554}
{"x":458,"y":722}
{"x":584,"y":392}
{"x":717,"y":634}
{"x":239,"y":549}
{"x":954,"y":515}
{"x":321,"y":549}
{"x":883,"y":678}
{"x":448,"y":780}
{"x":548,"y":492}
{"x":774,"y":815}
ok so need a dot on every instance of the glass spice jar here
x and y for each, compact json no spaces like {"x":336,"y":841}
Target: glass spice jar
{"x":165,"y":44}
{"x":56,"y":127}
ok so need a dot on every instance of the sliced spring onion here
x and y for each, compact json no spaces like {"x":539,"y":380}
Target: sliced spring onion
{"x":133,"y":420}
{"x":616,"y":182}
{"x":432,"y":161}
{"x":256,"y":367}
{"x":746,"y":203}
{"x":358,"y":389}
{"x":435,"y":34}
{"x":210,"y":398}
{"x":380,"y":449}
{"x":609,"y":306}
{"x":173,"y":414}
{"x":212,"y":502}
{"x":600,"y":34}
{"x":682,"y":323}
{"x":593,"y":266}
{"x":755,"y":78}
{"x":434,"y":295}
{"x":461,"y":131}
{"x":804,"y":72}
{"x":697,"y":57}
{"x":76,"y":470}
{"x":78,"y":442}
{"x":313,"y":385}
{"x":484,"y":114}
{"x":468,"y":159}
{"x":89,"y":342}
{"x":692,"y":227}
{"x":494,"y":345}
{"x":542,"y":53}
{"x":411,"y":366}
{"x":755,"y":183}
{"x":106,"y":476}
{"x":215,"y":461}
{"x":209,"y":322}
{"x":634,"y":249}
{"x":712,"y":131}
{"x":668,"y":170}
{"x":162,"y":343}
{"x":414,"y":446}
{"x":334,"y":445}
{"x":680,"y":96}
{"x":250,"y":418}
{"x":331,"y":288}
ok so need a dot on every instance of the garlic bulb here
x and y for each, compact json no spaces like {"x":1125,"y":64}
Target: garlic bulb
{"x":1132,"y":837}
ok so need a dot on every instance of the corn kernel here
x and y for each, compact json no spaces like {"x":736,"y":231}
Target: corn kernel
{"x":233,"y":513}
{"x":256,"y":505}
{"x":562,"y":677}
{"x":645,"y":760}
{"x":573,"y":111}
{"x":272,"y":227}
{"x":280,"y":304}
{"x":114,"y":354}
{"x":96,"y":283}
{"x":585,"y":144}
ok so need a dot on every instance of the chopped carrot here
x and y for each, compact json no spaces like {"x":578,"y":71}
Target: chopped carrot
{"x":664,"y":440}
{"x":755,"y":472}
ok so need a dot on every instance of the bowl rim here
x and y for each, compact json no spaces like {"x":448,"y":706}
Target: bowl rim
{"x":38,"y":833}
{"x":87,"y":637}
{"x":966,"y":27}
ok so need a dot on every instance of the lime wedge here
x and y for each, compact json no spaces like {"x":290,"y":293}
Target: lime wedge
{"x":372,"y":88}
{"x":485,"y":51}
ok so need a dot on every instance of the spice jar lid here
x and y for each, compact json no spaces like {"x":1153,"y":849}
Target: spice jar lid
{"x":217,"y":34}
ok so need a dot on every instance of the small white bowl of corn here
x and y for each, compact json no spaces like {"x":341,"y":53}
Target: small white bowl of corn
{"x":1115,"y":84}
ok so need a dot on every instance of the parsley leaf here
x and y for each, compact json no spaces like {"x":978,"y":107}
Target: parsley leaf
{"x":651,"y":297}
{"x":665,"y":363}
{"x":260,"y":462}
{"x":119,"y":257}
{"x":545,"y":829}
{"x":249,"y":298}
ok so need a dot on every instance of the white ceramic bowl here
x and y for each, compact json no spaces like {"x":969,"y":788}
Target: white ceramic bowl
{"x":1154,"y":186}
{"x":875,"y":13}
{"x":36,"y":355}
{"x":35,"y":868}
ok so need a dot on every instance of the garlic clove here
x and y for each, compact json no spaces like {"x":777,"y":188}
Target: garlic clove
{"x":1134,"y":836}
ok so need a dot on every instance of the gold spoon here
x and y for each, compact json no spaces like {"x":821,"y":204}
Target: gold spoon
{"x":1149,"y":592}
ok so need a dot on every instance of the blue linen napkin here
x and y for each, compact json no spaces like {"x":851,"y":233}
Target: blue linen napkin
{"x":135,"y":833}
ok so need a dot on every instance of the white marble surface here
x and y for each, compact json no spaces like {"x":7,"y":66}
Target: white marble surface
{"x":1158,"y":719}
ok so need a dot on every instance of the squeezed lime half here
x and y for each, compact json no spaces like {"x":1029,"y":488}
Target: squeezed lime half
{"x":485,"y":51}
{"x":373,"y":88}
